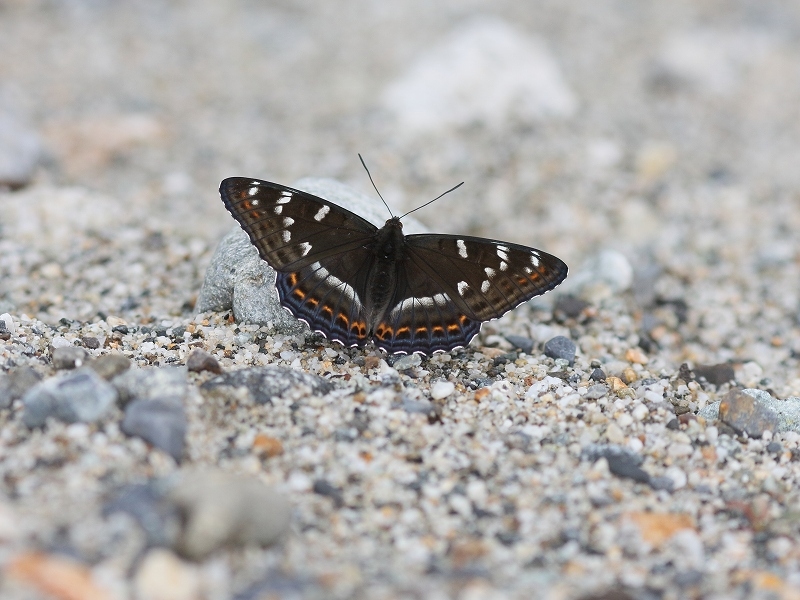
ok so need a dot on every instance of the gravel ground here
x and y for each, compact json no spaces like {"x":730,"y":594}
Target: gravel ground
{"x":593,"y":444}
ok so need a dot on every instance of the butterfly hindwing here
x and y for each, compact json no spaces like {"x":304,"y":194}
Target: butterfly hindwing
{"x":485,"y":278}
{"x":422,"y":317}
{"x":291,"y":228}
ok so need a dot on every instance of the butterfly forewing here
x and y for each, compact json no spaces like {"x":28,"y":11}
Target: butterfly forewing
{"x":291,"y":228}
{"x":485,"y":278}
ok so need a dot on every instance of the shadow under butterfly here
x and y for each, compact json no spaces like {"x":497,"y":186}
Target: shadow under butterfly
{"x":354,"y":282}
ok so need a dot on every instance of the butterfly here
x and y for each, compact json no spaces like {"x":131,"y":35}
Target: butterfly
{"x":354,"y":282}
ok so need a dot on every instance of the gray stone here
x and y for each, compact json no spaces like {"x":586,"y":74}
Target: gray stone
{"x":200,"y":360}
{"x":406,"y":361}
{"x":220,"y":509}
{"x":109,"y":366}
{"x":160,"y":422}
{"x":787,"y":411}
{"x":144,"y":502}
{"x":14,"y":384}
{"x":261,"y":384}
{"x":151,"y":384}
{"x":525,"y":344}
{"x":596,"y":391}
{"x":68,"y":357}
{"x":78,"y":396}
{"x":745,"y":414}
{"x":561,"y":347}
{"x":238,"y":279}
{"x":425,"y":407}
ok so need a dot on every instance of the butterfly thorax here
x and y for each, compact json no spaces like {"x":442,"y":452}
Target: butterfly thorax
{"x":387,"y":249}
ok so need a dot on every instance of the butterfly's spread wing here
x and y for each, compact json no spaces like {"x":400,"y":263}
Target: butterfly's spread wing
{"x":453,"y":283}
{"x":315,"y":246}
{"x":486,"y":278}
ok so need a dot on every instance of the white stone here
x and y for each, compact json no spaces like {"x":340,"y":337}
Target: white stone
{"x":486,"y":71}
{"x":163,"y":576}
{"x":442,"y":389}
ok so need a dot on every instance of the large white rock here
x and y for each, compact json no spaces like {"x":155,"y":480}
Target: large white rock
{"x":484,"y":71}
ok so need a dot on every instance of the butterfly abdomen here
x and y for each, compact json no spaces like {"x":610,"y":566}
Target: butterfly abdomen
{"x":387,"y":250}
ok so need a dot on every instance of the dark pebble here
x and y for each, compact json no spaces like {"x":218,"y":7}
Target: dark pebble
{"x":123,"y":329}
{"x":200,"y":360}
{"x":598,"y":375}
{"x":90,"y":342}
{"x":161,"y":423}
{"x":715,"y":374}
{"x":521,"y":342}
{"x":570,"y":306}
{"x":264,"y":383}
{"x":774,"y":448}
{"x":109,"y":366}
{"x":561,"y":347}
{"x":661,"y":483}
{"x":624,"y":465}
{"x":177,"y":332}
{"x":68,"y":357}
{"x":744,"y":414}
{"x":324,"y":488}
{"x":79,"y":396}
{"x":673,"y":424}
{"x":14,"y":385}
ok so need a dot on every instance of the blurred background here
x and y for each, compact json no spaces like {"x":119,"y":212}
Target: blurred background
{"x":667,"y":131}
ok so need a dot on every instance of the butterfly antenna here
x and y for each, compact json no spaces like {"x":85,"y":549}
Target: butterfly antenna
{"x":435,"y":199}
{"x":373,"y":184}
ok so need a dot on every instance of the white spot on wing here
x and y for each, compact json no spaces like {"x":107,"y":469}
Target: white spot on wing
{"x":485,"y":286}
{"x":286,"y":235}
{"x":462,"y":248}
{"x":252,"y":191}
{"x":278,"y":209}
{"x":503,"y":265}
{"x":305,"y":248}
{"x":284,"y":199}
{"x":501,"y":248}
{"x":502,"y":253}
{"x":534,"y":259}
{"x":462,"y":286}
{"x":441,"y":299}
{"x":288,"y":221}
{"x":254,"y":202}
{"x":527,"y":270}
{"x":322,"y":212}
{"x":490,"y":272}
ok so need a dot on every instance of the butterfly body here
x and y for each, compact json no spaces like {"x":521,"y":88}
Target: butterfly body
{"x":355,"y":282}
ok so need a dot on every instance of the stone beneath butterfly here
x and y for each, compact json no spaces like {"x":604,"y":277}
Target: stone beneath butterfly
{"x":358,"y":283}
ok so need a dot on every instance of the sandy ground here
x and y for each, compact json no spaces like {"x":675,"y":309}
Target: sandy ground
{"x":664,"y":135}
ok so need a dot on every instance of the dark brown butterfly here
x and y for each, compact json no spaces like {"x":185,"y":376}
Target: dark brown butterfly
{"x":354,"y":282}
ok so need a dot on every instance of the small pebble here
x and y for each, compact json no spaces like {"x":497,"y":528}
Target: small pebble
{"x":164,"y":576}
{"x":14,"y":384}
{"x":570,"y":306}
{"x":715,"y":374}
{"x":109,"y":366}
{"x":744,"y":414}
{"x":68,"y":357}
{"x":407,"y":361}
{"x":597,"y":375}
{"x":264,"y":383}
{"x":523,"y":343}
{"x":596,"y":392}
{"x":561,"y":347}
{"x":160,"y":422}
{"x":200,"y":360}
{"x":442,"y":389}
{"x":90,"y":342}
{"x":78,"y":396}
{"x":222,"y":509}
{"x":325,"y":488}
